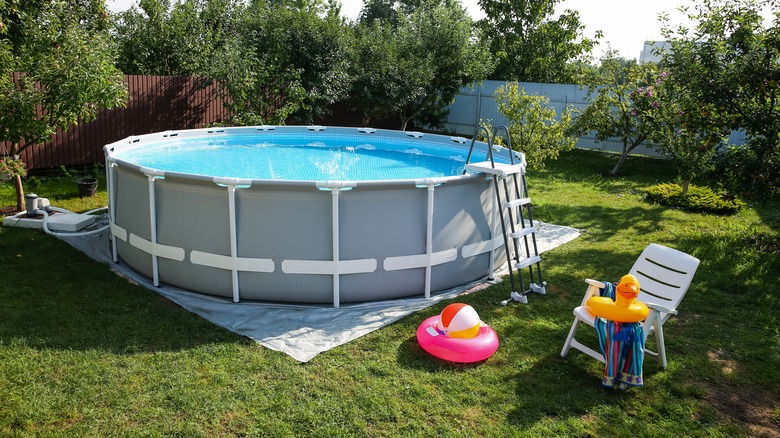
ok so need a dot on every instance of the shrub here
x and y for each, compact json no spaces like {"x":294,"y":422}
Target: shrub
{"x":701,"y":199}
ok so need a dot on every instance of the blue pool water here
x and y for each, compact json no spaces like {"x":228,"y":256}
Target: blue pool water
{"x":294,"y":157}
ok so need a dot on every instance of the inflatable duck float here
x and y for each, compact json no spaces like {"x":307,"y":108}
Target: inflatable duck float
{"x":625,"y":307}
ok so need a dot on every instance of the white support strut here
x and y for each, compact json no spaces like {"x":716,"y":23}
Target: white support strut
{"x":233,"y":239}
{"x":430,"y":258}
{"x":153,"y":230}
{"x":429,"y":239}
{"x":336,"y":243}
{"x":110,"y":171}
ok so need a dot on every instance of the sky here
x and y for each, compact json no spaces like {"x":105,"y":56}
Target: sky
{"x":626,"y":24}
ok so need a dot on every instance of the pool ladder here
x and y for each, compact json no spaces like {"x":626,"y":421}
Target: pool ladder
{"x":515,"y":203}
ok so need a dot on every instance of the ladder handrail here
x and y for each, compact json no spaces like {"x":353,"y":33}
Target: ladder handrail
{"x":489,"y":143}
{"x":508,"y":141}
{"x":517,"y":185}
{"x":507,"y":194}
{"x":495,"y":187}
{"x":529,"y":259}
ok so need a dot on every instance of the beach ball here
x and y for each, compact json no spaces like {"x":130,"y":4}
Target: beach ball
{"x":459,"y":320}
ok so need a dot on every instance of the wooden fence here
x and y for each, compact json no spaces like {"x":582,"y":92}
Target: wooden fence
{"x":155,"y":103}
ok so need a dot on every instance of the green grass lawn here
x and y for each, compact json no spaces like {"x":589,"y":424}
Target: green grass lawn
{"x":83,"y":352}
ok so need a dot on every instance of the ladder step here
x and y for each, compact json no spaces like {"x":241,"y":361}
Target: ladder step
{"x":517,"y":202}
{"x":523,"y":232}
{"x":500,"y":169}
{"x":527,"y":262}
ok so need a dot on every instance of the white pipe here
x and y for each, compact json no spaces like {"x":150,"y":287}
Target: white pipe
{"x":57,"y":209}
{"x":95,"y":210}
{"x":71,"y":233}
{"x":233,"y":238}
{"x":45,"y":224}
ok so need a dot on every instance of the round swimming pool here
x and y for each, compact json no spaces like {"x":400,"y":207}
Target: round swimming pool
{"x":303,"y":214}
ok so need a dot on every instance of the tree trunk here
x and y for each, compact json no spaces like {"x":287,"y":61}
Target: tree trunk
{"x":626,"y":150}
{"x":404,"y":122}
{"x":19,"y":193}
{"x":686,"y":183}
{"x":623,"y":156}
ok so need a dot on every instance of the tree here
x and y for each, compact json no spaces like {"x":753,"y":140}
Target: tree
{"x":307,"y":37}
{"x":623,"y":104}
{"x":729,"y":61}
{"x":275,"y":59}
{"x":530,"y":45}
{"x":534,"y":126}
{"x":383,"y":10}
{"x":180,"y":39}
{"x":256,"y":89}
{"x":385,"y":75}
{"x":57,"y":69}
{"x":689,"y":132}
{"x":416,"y":67}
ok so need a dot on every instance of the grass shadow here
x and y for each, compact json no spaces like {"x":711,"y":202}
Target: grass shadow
{"x":65,"y":300}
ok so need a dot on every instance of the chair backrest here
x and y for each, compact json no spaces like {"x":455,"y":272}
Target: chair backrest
{"x":664,"y":275}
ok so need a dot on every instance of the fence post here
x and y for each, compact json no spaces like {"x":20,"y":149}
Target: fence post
{"x":479,"y":107}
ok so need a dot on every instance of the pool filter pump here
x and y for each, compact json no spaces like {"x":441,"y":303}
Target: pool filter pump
{"x":33,"y":203}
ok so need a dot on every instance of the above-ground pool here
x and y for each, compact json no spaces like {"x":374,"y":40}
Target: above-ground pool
{"x":303,"y":214}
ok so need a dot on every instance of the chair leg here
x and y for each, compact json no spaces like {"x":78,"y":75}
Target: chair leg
{"x":572,"y":331}
{"x":659,"y":341}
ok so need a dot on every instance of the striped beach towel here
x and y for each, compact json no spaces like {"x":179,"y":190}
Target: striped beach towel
{"x":623,"y":347}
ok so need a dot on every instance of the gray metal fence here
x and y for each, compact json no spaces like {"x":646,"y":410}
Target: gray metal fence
{"x":476,"y":103}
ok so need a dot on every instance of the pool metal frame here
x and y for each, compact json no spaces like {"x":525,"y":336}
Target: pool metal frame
{"x":273,"y":254}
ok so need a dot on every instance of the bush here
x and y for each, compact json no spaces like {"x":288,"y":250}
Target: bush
{"x":750,"y":170}
{"x":701,"y":199}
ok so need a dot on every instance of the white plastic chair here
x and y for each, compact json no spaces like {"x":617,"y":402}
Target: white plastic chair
{"x":664,"y":275}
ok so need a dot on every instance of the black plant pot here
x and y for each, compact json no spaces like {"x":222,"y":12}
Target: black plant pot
{"x":87,"y":186}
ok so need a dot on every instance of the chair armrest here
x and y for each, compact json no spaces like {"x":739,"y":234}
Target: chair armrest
{"x":660,"y":308}
{"x":596,"y":283}
{"x":593,"y":289}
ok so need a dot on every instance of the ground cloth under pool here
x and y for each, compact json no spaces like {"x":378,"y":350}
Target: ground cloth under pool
{"x":301,"y":331}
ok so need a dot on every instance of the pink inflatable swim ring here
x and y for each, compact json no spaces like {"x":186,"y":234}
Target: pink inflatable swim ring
{"x":461,"y":350}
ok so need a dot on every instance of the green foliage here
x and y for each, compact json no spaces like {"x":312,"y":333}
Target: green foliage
{"x":702,"y":199}
{"x":386,"y":75}
{"x":256,"y":90}
{"x":624,"y":105}
{"x":748,"y":170}
{"x":63,"y":59}
{"x":63,"y":55}
{"x":308,"y":44}
{"x":727,"y":63}
{"x":12,"y":166}
{"x":383,"y":10}
{"x":531,"y":45}
{"x":534,"y":127}
{"x":158,"y":37}
{"x":413,"y":67}
{"x":86,"y":353}
{"x":689,"y":132}
{"x":276,"y":60}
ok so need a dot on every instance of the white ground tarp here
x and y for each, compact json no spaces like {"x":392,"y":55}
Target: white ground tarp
{"x":301,"y":331}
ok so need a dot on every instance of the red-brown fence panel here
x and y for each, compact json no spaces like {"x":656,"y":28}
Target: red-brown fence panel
{"x":155,"y":103}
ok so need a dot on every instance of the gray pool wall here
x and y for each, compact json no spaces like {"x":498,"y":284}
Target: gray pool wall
{"x":325,"y":242}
